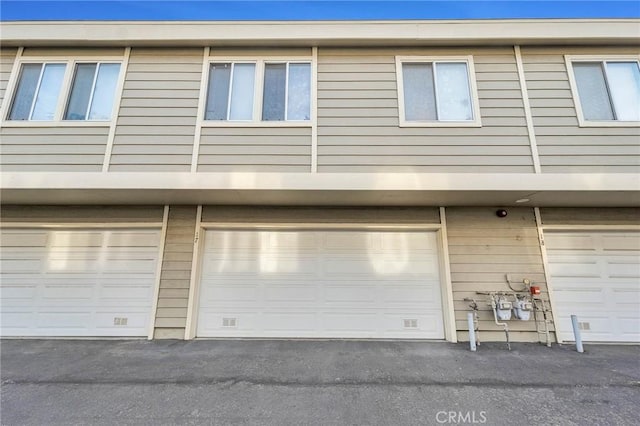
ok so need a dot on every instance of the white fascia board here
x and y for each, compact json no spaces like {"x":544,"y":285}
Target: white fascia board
{"x":321,"y":33}
{"x":323,"y":181}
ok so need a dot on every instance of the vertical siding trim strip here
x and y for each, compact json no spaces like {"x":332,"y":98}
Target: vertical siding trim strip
{"x":447,"y":294}
{"x":527,"y":110}
{"x":204,"y":77}
{"x":156,"y":291}
{"x":15,"y":69}
{"x":116,"y":110}
{"x":314,"y":109}
{"x":545,"y":266}
{"x":192,"y":306}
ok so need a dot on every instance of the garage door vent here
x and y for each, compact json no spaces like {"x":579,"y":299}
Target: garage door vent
{"x":584,"y":326}
{"x":410,"y":323}
{"x":229,"y":322}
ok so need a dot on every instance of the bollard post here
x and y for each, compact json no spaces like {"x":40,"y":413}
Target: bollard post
{"x":472,"y":332}
{"x":576,"y":333}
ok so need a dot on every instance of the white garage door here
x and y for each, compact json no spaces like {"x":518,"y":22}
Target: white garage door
{"x":596,"y":276}
{"x":329,"y":284}
{"x":77,"y":282}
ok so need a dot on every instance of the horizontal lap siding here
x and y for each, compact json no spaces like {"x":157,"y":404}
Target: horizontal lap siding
{"x":358,"y":122}
{"x":269,"y":149}
{"x":564,"y":147}
{"x":482,"y":250}
{"x":156,"y":123}
{"x":60,"y":149}
{"x":7,"y":58}
{"x":173,"y":298}
{"x":590,"y":216}
{"x":81,"y":214}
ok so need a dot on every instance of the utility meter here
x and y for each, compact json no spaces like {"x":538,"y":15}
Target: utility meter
{"x":522,"y":309}
{"x":503,"y":308}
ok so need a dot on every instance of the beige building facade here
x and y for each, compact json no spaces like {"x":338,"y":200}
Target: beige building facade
{"x":319,"y":179}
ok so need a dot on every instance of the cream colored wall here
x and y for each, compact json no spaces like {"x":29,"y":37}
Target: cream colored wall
{"x":483,"y":249}
{"x":565,"y":147}
{"x":171,"y":315}
{"x":358,"y":125}
{"x":157,"y":119}
{"x":7,"y":58}
{"x":590,"y":216}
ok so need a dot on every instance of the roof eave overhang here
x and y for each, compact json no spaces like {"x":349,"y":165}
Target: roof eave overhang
{"x":322,"y":33}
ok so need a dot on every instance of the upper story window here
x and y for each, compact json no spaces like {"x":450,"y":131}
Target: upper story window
{"x":259,"y":91}
{"x":608,"y":91}
{"x":437,"y":92}
{"x":52,"y":91}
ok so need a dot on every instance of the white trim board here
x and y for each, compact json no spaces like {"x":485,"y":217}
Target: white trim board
{"x":192,"y":305}
{"x":569,"y":60}
{"x":322,"y":33}
{"x":472,"y":86}
{"x":156,"y":291}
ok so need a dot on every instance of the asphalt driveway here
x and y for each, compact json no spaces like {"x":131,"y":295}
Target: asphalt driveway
{"x":61,"y":382}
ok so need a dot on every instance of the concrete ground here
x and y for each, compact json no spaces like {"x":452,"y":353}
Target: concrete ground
{"x":62,"y":382}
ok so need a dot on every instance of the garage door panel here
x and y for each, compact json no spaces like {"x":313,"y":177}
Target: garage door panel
{"x":588,"y":268}
{"x":76,"y":282}
{"x":17,"y":239}
{"x":624,"y":270}
{"x":78,"y":239}
{"x":620,"y":242}
{"x":334,"y":293}
{"x":16,"y":295}
{"x":303,"y":292}
{"x":17,"y":266}
{"x":128,"y":240}
{"x":331,"y":284}
{"x":347,"y":242}
{"x":366,"y":266}
{"x":630,"y":327}
{"x":627,"y":298}
{"x":267,"y":263}
{"x":570,"y":242}
{"x":602,"y":287}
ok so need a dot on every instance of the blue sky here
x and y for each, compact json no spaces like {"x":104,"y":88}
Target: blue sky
{"x":312,"y":10}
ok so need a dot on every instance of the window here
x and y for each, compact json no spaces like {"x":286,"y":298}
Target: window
{"x":37,"y":96}
{"x":436,"y":92}
{"x":259,"y":91}
{"x":608,"y":91}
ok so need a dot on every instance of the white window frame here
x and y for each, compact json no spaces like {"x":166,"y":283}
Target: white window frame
{"x":569,"y":60}
{"x":473,"y":91}
{"x":65,"y":91}
{"x":258,"y":91}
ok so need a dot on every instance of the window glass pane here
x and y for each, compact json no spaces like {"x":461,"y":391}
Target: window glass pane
{"x":242,"y":92}
{"x":80,"y":92}
{"x":218,"y":94}
{"x":274,"y":92}
{"x":624,"y":83}
{"x":592,"y":90}
{"x":27,"y":85}
{"x":299,"y":92}
{"x":419,"y":96}
{"x":105,"y":91}
{"x":454,"y":98}
{"x":47,"y":98}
